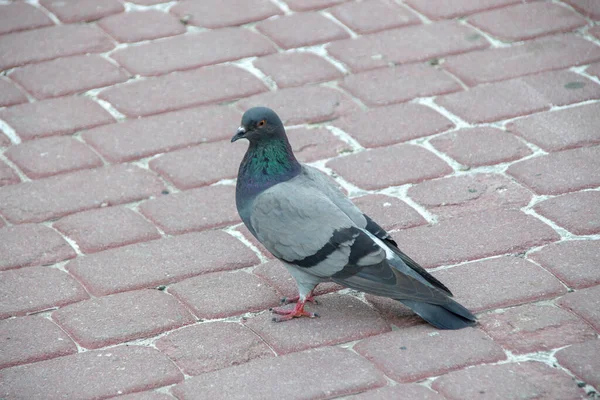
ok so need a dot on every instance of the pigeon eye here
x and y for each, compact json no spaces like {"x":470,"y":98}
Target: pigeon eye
{"x":262,"y":123}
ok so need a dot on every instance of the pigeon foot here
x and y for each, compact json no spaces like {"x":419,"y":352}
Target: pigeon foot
{"x":296,"y":312}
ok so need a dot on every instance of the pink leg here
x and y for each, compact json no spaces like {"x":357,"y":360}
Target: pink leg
{"x":310,"y":298}
{"x":296,"y":312}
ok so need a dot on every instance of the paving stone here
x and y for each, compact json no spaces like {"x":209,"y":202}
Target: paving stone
{"x":193,"y":210}
{"x":28,"y":290}
{"x":158,"y":262}
{"x":200,"y":165}
{"x":43,"y":44}
{"x":301,"y":29}
{"x":315,"y":144}
{"x":218,"y":14}
{"x":406,"y":45}
{"x":4,"y":141}
{"x":421,"y":351}
{"x":7,"y":175}
{"x":303,"y":105}
{"x":535,"y":327}
{"x":553,"y":173}
{"x":62,"y":116}
{"x":341,"y":319}
{"x":332,"y":372}
{"x":192,"y":51}
{"x":209,"y":347}
{"x":93,"y":374}
{"x":595,"y":31}
{"x":579,"y":213}
{"x":148,"y":2}
{"x":394,"y":312}
{"x":544,"y":54}
{"x":145,"y":395}
{"x":520,"y":96}
{"x":297,"y":69}
{"x":475,"y":147}
{"x":21,"y":16}
{"x":574,"y":262}
{"x":588,"y":8}
{"x":31,"y":339}
{"x":389,"y":212}
{"x":374,"y":15}
{"x":308,"y":5}
{"x":473,"y":236}
{"x":526,"y":380}
{"x":399,"y":84}
{"x":135,"y":26}
{"x":142,"y":137}
{"x":60,"y":195}
{"x":401,"y":391}
{"x":51,"y":156}
{"x":172,"y":92}
{"x":410,"y":163}
{"x":499,"y":282}
{"x":594,"y":69}
{"x":248,"y":236}
{"x":105,"y":228}
{"x":562,"y":129}
{"x":585,"y":303}
{"x":465,"y":194}
{"x":25,"y":245}
{"x":82,"y":10}
{"x":582,"y":360}
{"x":393,"y":124}
{"x":527,"y":21}
{"x":10,"y":94}
{"x":122,"y":317}
{"x":456,"y":8}
{"x":217,"y":295}
{"x":68,"y":75}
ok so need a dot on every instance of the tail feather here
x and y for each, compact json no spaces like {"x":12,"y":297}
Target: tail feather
{"x":447,"y":316}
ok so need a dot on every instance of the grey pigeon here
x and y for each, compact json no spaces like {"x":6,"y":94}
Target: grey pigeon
{"x":303,"y":219}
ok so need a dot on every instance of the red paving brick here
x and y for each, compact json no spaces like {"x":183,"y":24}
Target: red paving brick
{"x":145,"y":395}
{"x":308,"y":5}
{"x":593,"y":70}
{"x":68,"y":75}
{"x":31,"y":339}
{"x":341,"y":319}
{"x":193,"y":210}
{"x":51,"y":156}
{"x":93,"y":374}
{"x":374,"y":15}
{"x":143,"y":137}
{"x":150,"y":264}
{"x":562,"y":129}
{"x":407,"y":391}
{"x":527,"y":21}
{"x":48,"y":43}
{"x":574,"y":262}
{"x":65,"y":194}
{"x":588,"y":8}
{"x":8,"y":176}
{"x":456,"y":8}
{"x":218,"y":14}
{"x":394,"y":312}
{"x":595,"y":31}
{"x":28,"y":290}
{"x":535,"y":327}
{"x":4,"y":141}
{"x":579,"y":213}
{"x":172,"y":92}
{"x":585,"y":303}
{"x":141,"y":25}
{"x":520,"y":96}
{"x":297,"y":69}
{"x":553,"y":173}
{"x":526,"y":380}
{"x":389,"y":212}
{"x":217,"y":295}
{"x":331,"y":371}
{"x":315,"y":144}
{"x":132,"y":315}
{"x":407,"y":45}
{"x":383,"y":126}
{"x":105,"y":228}
{"x":10,"y":94}
{"x":582,"y":360}
{"x":531,"y":57}
{"x":26,"y":245}
{"x":416,"y":352}
{"x":212,"y":346}
{"x":191,"y":51}
{"x":21,"y":16}
{"x":82,"y":10}
{"x":410,"y":163}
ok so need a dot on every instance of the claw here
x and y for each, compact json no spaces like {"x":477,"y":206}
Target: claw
{"x":296,"y":312}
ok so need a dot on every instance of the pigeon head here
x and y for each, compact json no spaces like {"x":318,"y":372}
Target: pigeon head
{"x":258,"y":124}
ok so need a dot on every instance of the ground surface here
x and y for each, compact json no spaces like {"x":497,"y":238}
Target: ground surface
{"x":470,"y":129}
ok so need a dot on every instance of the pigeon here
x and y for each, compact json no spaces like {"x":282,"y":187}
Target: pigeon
{"x":301,"y":217}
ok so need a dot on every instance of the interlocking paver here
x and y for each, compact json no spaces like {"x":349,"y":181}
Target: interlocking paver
{"x":10,"y":94}
{"x":21,"y":16}
{"x":315,"y":144}
{"x":579,"y":213}
{"x":374,"y":15}
{"x":406,"y":390}
{"x":141,"y":25}
{"x":45,"y":157}
{"x":82,"y":10}
{"x":585,"y":303}
{"x":28,"y":290}
{"x":595,"y":31}
{"x":332,"y":372}
{"x":389,"y":212}
{"x":218,"y":13}
{"x":25,"y":245}
{"x":406,"y":45}
{"x":8,"y":176}
{"x":394,"y":312}
{"x":297,"y":69}
{"x":212,"y":346}
{"x":582,"y":360}
{"x":150,"y":264}
{"x":307,"y":5}
{"x":593,"y":69}
{"x":93,"y":374}
{"x":588,"y":8}
{"x":145,"y":395}
{"x":456,"y":8}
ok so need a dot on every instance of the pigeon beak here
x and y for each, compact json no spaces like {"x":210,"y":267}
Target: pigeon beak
{"x":239,"y":134}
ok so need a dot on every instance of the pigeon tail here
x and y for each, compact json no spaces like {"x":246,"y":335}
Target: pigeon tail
{"x":447,"y":316}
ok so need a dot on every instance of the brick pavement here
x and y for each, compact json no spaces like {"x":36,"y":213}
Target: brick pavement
{"x":469,"y":129}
